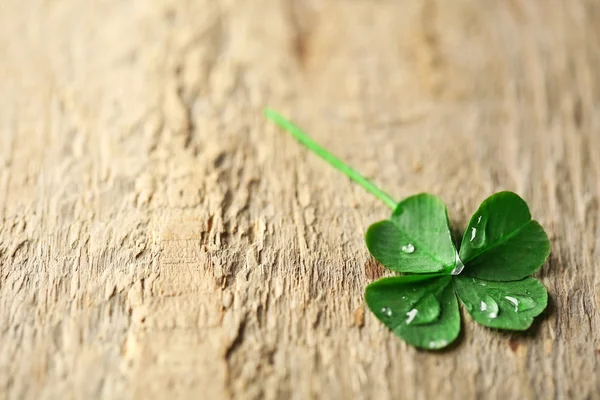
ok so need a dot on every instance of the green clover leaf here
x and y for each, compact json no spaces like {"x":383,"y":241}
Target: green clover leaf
{"x":501,"y":247}
{"x":502,"y":305}
{"x":502,"y":242}
{"x":415,"y":239}
{"x":421,"y":309}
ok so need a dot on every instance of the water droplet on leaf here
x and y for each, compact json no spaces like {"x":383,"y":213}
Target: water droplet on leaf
{"x":478,"y":233}
{"x":490,"y":307}
{"x":521,"y":303}
{"x":513,"y":301}
{"x":409,"y":248}
{"x":458,"y":265}
{"x":411,"y":315}
{"x":438,"y":344}
{"x":386,"y":311}
{"x":424,"y":311}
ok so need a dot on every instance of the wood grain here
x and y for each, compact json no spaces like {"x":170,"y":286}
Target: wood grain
{"x":159,"y":238}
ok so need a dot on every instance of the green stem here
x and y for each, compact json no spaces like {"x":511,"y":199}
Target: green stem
{"x":327,"y":156}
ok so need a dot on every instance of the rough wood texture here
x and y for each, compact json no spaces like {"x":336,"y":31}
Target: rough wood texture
{"x":159,"y":237}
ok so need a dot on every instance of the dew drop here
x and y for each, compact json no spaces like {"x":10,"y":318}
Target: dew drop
{"x":408,"y":248}
{"x":521,"y":303}
{"x":513,"y":301}
{"x":478,"y":233}
{"x":410,"y":316}
{"x":386,"y":311}
{"x":490,"y":307}
{"x":438,"y":344}
{"x":424,"y":311}
{"x":458,"y":265}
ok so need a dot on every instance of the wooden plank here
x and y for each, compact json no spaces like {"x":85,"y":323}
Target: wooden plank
{"x":158,"y":237}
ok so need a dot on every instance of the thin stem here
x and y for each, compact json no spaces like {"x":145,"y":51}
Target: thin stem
{"x":327,"y":156}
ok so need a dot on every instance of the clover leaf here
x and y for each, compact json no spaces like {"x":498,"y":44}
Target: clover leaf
{"x":421,"y":309}
{"x":416,"y":238}
{"x":502,"y":242}
{"x":501,"y":247}
{"x":503,"y":305}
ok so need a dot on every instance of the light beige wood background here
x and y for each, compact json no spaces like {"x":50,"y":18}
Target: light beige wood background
{"x":159,"y":239}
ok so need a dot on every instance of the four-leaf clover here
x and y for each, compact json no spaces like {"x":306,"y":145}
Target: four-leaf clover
{"x":501,"y":247}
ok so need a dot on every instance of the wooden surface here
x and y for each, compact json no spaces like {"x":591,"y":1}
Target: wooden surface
{"x":159,"y":239}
